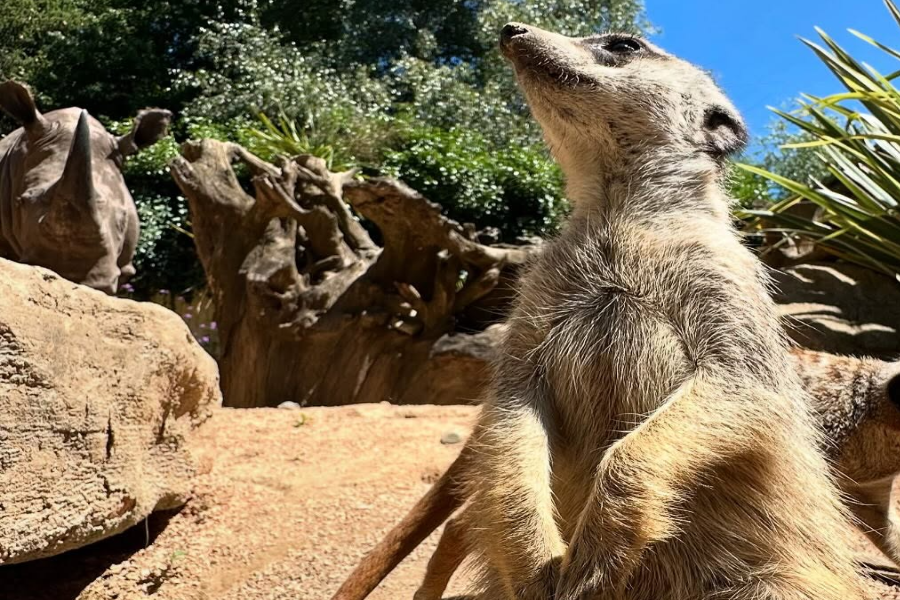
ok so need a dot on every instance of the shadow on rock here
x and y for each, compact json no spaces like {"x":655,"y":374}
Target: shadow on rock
{"x":65,"y":576}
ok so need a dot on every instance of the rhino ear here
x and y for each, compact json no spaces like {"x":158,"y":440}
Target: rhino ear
{"x":150,"y":126}
{"x":17,"y":101}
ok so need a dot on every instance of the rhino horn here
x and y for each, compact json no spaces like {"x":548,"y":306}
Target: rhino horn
{"x":77,"y":181}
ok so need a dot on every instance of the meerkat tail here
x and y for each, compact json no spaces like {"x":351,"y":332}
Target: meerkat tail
{"x":435,"y":507}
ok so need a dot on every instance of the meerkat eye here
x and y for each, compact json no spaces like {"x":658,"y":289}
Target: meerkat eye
{"x":623,"y":46}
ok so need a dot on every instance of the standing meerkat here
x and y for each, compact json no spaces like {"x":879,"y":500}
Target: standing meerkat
{"x":856,"y":401}
{"x":645,"y":435}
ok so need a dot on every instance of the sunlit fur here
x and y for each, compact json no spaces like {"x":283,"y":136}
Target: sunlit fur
{"x":645,"y":436}
{"x":862,"y":421}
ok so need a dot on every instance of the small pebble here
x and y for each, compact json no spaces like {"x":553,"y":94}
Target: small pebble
{"x":450,"y":437}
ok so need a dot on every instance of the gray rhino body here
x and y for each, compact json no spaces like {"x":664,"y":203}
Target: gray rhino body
{"x":64,"y":204}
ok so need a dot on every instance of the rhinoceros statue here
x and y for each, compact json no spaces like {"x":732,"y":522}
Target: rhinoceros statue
{"x":64,"y":204}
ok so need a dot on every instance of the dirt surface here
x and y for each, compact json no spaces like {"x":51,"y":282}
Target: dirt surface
{"x":289,"y":502}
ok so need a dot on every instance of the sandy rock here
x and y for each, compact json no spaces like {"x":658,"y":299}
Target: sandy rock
{"x":97,"y":397}
{"x":840,"y":308}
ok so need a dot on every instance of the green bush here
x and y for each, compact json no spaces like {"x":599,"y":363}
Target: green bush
{"x":856,"y":137}
{"x":518,"y":190}
{"x":749,"y":189}
{"x":776,"y":152}
{"x":165,"y":258}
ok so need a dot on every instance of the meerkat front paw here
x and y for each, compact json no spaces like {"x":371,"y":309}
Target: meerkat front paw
{"x":580,"y":584}
{"x":891,"y":546}
{"x":585,"y":579}
{"x":544,"y":583}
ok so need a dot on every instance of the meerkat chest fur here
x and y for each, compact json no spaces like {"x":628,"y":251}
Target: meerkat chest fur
{"x":619,"y":310}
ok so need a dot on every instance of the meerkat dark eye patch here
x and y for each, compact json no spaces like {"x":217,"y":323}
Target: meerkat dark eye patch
{"x":623,"y":46}
{"x":615,"y":50}
{"x":723,"y":133}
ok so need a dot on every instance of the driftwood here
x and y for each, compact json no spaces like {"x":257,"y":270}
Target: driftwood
{"x":311,"y":309}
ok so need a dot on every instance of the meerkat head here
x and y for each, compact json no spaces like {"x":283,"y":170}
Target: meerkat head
{"x":620,"y":99}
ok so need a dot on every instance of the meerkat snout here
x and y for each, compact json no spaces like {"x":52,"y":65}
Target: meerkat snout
{"x":510,"y":30}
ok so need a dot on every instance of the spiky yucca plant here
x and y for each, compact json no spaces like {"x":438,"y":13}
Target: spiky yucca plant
{"x":856,"y":134}
{"x":286,"y":137}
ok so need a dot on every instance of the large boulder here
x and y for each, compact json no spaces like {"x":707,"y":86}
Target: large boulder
{"x":840,"y":308}
{"x":97,"y":397}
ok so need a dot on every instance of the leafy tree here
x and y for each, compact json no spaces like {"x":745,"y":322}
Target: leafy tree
{"x":112,"y":57}
{"x":411,"y":87}
{"x":26,"y":26}
{"x":250,"y":70}
{"x":381,"y":32}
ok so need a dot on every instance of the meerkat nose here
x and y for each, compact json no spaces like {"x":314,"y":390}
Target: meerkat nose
{"x":511,"y":30}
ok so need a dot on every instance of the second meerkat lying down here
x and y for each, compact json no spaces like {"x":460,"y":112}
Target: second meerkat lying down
{"x":856,"y":400}
{"x":645,"y":435}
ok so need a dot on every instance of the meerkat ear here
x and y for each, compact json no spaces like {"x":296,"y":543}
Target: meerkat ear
{"x":724,"y":133}
{"x":893,"y":390}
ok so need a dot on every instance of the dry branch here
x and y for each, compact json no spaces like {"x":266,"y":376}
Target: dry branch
{"x":310,"y":308}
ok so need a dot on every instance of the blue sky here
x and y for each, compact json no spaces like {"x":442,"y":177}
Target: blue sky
{"x":752,"y":47}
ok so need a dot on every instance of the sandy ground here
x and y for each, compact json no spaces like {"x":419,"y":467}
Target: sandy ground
{"x":288,"y":503}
